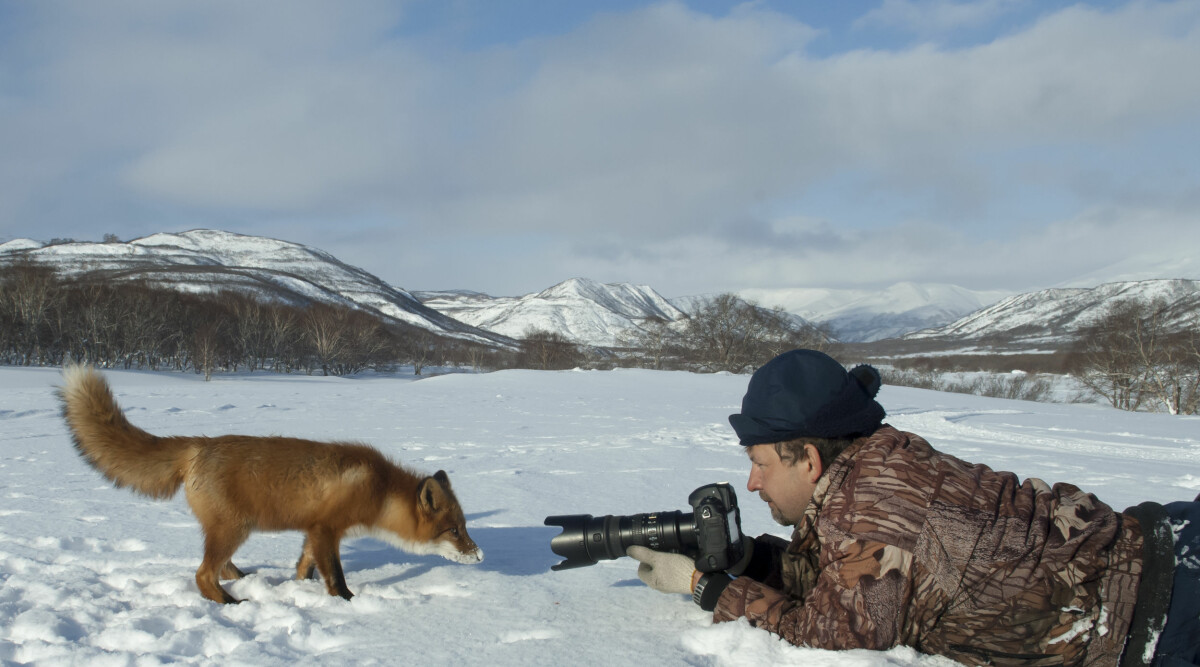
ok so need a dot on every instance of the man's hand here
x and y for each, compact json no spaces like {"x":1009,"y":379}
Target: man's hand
{"x":666,"y":572}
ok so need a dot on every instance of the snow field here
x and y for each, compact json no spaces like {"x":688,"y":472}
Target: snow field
{"x":94,"y":575}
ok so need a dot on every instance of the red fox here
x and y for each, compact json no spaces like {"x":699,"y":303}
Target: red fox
{"x":239,"y":484}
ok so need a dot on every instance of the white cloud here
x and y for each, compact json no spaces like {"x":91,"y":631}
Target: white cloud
{"x":638,"y":147}
{"x":935,"y":17}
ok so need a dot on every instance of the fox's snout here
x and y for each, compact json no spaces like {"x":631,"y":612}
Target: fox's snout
{"x":463,"y":551}
{"x":474,"y":555}
{"x":469,"y":557}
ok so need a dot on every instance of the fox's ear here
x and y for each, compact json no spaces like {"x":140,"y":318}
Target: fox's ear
{"x":442,"y":477}
{"x":431,"y":495}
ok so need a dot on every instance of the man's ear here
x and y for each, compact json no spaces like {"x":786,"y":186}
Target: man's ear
{"x":813,"y":458}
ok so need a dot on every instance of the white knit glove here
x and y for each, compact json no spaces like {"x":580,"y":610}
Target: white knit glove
{"x":666,"y":572}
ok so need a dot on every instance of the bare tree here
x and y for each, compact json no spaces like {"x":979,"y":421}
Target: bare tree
{"x":249,"y":331}
{"x":547,"y":350}
{"x":417,"y":346}
{"x":720,"y":334}
{"x":656,"y":340}
{"x":1163,"y":360}
{"x":206,"y":347}
{"x":1189,"y":343}
{"x":30,"y":292}
{"x":96,"y":323}
{"x":783,"y":331}
{"x":1135,"y":353}
{"x":458,"y":352}
{"x":727,"y":333}
{"x":477,"y":355}
{"x":1105,"y":364}
{"x":367,"y":342}
{"x":284,"y":335}
{"x":325,"y":331}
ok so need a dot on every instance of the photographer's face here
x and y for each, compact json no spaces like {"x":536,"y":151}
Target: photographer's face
{"x":786,"y":487}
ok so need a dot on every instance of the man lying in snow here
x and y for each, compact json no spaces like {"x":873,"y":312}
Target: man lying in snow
{"x":896,"y":543}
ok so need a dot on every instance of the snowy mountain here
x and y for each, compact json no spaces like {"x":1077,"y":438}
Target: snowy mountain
{"x":586,"y":311}
{"x":205,"y":260}
{"x":1055,"y":316}
{"x":582,"y":310}
{"x":870,"y":315}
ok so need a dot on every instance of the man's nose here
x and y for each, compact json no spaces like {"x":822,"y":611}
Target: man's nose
{"x":752,"y":484}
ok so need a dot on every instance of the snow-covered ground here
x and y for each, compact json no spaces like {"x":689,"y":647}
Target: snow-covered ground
{"x":94,"y":575}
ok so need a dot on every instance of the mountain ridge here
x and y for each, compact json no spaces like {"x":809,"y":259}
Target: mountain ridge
{"x":860,"y":315}
{"x":581,"y":309}
{"x":1060,"y":314}
{"x":203,"y":260}
{"x":586,"y":311}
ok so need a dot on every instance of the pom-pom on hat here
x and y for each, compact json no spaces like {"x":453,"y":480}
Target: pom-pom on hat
{"x":807,"y":393}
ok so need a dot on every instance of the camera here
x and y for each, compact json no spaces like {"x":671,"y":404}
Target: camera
{"x":711,"y":533}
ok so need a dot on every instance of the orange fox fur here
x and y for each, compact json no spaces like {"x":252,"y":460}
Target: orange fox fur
{"x":238,"y":484}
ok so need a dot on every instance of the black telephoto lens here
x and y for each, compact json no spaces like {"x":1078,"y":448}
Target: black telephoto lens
{"x":585,"y":539}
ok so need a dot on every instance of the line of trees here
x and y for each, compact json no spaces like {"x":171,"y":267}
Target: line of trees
{"x":1016,"y":386}
{"x":1137,"y":357}
{"x":46,"y":320}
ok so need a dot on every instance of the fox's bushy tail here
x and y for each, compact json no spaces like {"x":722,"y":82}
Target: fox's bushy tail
{"x":122,"y":452}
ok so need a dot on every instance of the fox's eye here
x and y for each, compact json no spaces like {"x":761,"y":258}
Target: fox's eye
{"x":454,"y":532}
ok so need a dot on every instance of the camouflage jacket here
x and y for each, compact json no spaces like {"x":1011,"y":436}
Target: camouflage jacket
{"x":904,"y":545}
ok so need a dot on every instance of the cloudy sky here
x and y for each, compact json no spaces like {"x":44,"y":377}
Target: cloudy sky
{"x":695,"y":146}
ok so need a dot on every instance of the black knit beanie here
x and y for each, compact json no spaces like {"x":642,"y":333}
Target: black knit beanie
{"x":807,"y":393}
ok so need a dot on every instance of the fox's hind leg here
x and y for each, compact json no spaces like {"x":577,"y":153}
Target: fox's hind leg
{"x":231,"y":571}
{"x":220,"y":542}
{"x":322,"y":544}
{"x":306,"y":567}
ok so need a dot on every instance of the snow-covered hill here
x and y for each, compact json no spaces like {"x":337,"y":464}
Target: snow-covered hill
{"x":205,"y":260}
{"x":1054,"y":317}
{"x":583,"y":310}
{"x":871,"y":315}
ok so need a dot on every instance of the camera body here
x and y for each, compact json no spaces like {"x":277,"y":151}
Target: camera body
{"x":718,"y":527}
{"x":711,"y":533}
